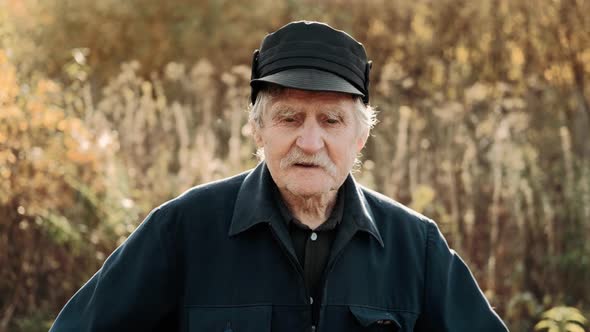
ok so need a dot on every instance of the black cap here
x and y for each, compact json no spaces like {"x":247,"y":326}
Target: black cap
{"x":311,"y":56}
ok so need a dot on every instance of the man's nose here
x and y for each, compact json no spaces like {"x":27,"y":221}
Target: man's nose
{"x":310,"y":138}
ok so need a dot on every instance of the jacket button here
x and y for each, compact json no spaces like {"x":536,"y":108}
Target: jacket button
{"x":310,"y":300}
{"x":314,"y":236}
{"x":313,"y":328}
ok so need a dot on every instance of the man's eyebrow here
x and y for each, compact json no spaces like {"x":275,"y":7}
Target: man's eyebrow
{"x":283,"y":111}
{"x":334,"y":112}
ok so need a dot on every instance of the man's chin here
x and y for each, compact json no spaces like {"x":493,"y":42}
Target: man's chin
{"x":306,"y":189}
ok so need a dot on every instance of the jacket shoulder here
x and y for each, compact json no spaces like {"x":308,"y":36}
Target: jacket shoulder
{"x":209,"y":194}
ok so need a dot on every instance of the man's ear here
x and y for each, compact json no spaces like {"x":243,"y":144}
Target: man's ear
{"x":256,"y":134}
{"x":362,"y":140}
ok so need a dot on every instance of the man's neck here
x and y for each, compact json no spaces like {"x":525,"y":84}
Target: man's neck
{"x":311,"y":211}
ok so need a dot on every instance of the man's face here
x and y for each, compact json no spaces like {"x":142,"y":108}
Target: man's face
{"x":310,"y":140}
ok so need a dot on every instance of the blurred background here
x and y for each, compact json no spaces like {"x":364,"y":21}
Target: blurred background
{"x":109,"y":108}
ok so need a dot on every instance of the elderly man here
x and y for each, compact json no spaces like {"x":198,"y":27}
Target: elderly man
{"x":295,"y":244}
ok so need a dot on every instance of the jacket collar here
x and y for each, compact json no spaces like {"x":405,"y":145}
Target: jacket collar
{"x":255,"y":205}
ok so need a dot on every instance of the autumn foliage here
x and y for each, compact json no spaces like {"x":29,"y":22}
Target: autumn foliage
{"x":109,"y":108}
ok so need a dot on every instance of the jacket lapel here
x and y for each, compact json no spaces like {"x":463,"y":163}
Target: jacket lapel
{"x":357,"y":217}
{"x":255,"y":205}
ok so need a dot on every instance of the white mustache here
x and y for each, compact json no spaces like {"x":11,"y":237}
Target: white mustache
{"x":320,"y":159}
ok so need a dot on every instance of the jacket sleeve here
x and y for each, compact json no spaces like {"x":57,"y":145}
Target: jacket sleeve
{"x":135,"y":288}
{"x":453,"y":301}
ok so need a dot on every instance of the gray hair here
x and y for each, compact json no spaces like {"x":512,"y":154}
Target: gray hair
{"x":365,"y":114}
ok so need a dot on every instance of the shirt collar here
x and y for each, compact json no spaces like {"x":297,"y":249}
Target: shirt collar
{"x":255,"y":204}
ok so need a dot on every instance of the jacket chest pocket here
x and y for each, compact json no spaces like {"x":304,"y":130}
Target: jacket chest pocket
{"x":256,"y":318}
{"x":352,"y":318}
{"x":375,"y":320}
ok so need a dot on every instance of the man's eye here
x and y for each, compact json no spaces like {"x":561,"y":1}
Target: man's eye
{"x":332,"y":121}
{"x":289,"y":120}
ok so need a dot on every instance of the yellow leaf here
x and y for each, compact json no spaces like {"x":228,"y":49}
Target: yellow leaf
{"x":23,"y":126}
{"x":546,"y":325}
{"x":45,"y":86}
{"x":462,"y":54}
{"x":422,"y":197}
{"x":517,"y":56}
{"x":572,"y":327}
{"x":5,"y":172}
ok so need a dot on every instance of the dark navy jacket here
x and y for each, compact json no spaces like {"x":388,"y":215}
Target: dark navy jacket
{"x":219,"y":258}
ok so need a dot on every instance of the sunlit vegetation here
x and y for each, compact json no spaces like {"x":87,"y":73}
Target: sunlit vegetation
{"x":109,"y":108}
{"x":562,"y":319}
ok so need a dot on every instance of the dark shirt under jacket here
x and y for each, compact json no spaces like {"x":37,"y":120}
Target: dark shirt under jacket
{"x":312,"y":247}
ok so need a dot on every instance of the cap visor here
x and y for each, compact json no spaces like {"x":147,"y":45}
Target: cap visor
{"x":309,"y":79}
